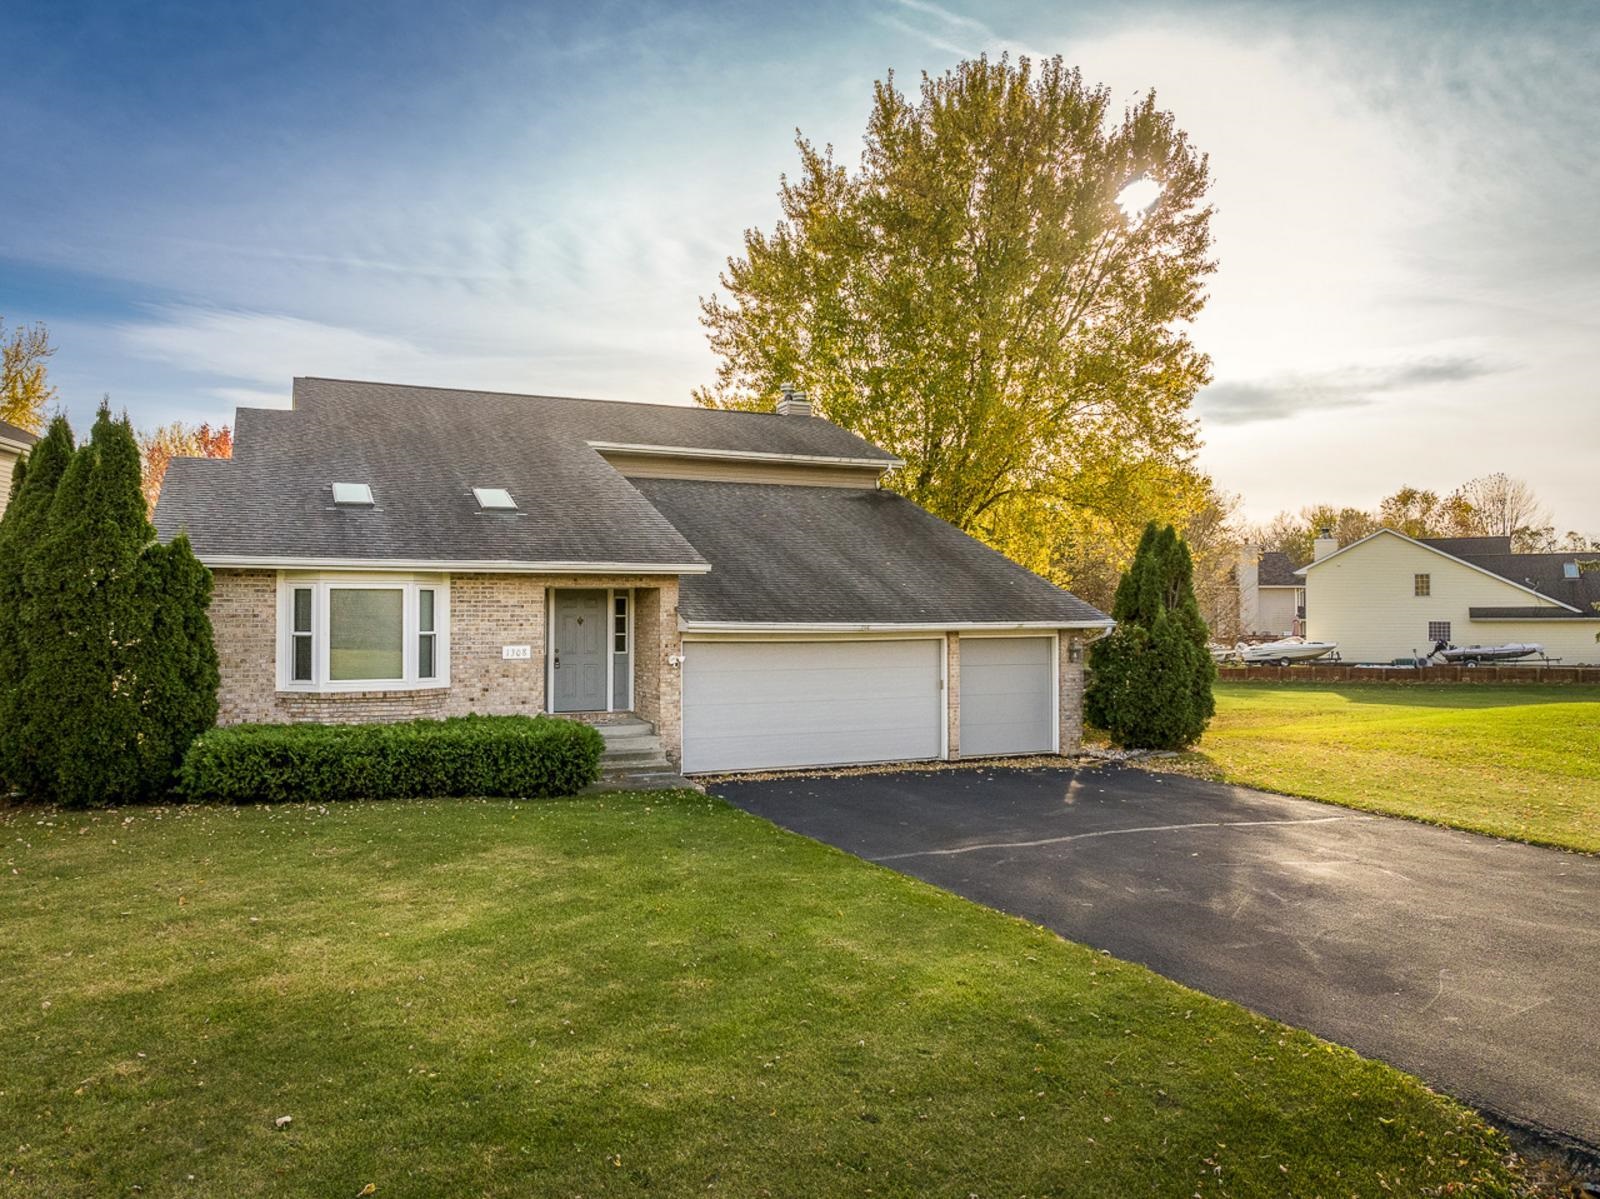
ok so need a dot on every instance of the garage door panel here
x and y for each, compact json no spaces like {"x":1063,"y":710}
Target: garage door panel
{"x":756,"y":705}
{"x":1007,"y":695}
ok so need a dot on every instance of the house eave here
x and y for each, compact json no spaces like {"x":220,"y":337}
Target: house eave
{"x":683,"y":451}
{"x":233,"y":561}
{"x":939,"y":626}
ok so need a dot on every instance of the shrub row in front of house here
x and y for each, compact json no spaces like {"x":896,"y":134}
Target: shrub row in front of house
{"x":520,"y":756}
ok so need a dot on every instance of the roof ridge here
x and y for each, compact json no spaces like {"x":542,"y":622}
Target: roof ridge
{"x":529,"y":395}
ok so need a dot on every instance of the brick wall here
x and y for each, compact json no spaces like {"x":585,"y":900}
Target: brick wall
{"x":657,"y":684}
{"x":487,"y":611}
{"x":952,"y":650}
{"x":244,"y":623}
{"x":1071,"y":692}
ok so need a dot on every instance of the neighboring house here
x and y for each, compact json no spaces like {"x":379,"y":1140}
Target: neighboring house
{"x":1272,"y":600}
{"x":736,"y":579}
{"x":1390,"y":596}
{"x":14,"y":442}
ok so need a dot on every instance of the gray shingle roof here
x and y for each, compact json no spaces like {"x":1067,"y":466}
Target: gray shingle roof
{"x":778,"y":553}
{"x":1530,"y":614}
{"x":422,"y":449}
{"x":831,"y":555}
{"x":1466,"y":547}
{"x":11,"y":432}
{"x":1276,"y":569}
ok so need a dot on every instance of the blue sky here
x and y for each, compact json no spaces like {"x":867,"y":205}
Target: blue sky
{"x":205,"y":200}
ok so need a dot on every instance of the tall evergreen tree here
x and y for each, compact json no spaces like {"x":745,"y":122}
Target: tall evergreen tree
{"x":176,"y":665}
{"x":107,"y":666}
{"x":83,"y":583}
{"x":1152,"y":677}
{"x":33,"y":492}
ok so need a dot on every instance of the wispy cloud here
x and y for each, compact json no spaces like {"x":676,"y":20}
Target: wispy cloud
{"x":950,"y":31}
{"x":1244,"y":403}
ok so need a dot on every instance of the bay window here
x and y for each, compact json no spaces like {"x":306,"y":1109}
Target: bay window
{"x":363,"y":633}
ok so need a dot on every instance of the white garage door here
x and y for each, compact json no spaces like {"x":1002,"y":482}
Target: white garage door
{"x":1007,"y":704}
{"x":752,"y":705}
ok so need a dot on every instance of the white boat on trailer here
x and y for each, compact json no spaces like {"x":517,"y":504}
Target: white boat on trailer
{"x":1285,"y":651}
{"x":1471,"y":655}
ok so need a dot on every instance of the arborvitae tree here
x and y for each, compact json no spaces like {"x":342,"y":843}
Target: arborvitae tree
{"x":33,"y":490}
{"x":83,"y":583}
{"x":107,"y":666}
{"x":1152,"y":677}
{"x":176,"y":666}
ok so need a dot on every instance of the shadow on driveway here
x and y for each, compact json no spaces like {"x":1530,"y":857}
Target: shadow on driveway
{"x":1467,"y":961}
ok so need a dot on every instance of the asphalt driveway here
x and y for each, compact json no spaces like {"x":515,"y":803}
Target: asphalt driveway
{"x":1470,"y":962}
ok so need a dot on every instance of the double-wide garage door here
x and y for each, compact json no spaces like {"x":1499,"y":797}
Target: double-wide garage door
{"x":752,"y":705}
{"x":755,"y":705}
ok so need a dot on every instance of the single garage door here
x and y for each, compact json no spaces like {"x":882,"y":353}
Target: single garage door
{"x":1007,"y":696}
{"x":753,"y":705}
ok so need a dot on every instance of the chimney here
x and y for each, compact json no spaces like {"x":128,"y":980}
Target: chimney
{"x":793,"y":402}
{"x":1248,"y":571}
{"x":1325,"y":544}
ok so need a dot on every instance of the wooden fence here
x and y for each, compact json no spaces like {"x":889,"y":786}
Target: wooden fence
{"x":1343,"y":672}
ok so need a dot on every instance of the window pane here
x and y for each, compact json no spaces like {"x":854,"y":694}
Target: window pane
{"x":302,"y":609}
{"x":425,"y":611}
{"x":425,"y":653}
{"x":366,"y":633}
{"x":302,"y":658}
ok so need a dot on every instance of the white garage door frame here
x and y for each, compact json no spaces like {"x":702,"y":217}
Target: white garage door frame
{"x":1054,"y":638}
{"x":939,"y":639}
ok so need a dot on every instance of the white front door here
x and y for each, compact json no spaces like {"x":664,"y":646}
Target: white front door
{"x":753,"y":705}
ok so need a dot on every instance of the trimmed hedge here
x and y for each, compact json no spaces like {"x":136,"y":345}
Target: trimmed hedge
{"x":523,"y":756}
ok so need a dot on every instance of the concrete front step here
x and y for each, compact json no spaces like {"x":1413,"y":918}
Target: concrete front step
{"x":632,"y":744}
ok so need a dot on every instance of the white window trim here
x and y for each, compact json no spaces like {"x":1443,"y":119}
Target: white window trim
{"x":321,"y":586}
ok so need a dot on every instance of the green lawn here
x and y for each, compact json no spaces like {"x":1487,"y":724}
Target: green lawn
{"x":1513,"y":761}
{"x":625,"y":995}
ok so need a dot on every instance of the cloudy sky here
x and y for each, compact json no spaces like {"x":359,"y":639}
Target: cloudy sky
{"x":205,"y":200}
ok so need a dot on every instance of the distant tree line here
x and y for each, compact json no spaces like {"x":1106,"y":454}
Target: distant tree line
{"x":1493,"y":505}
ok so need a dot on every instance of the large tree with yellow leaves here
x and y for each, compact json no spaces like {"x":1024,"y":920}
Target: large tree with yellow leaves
{"x":975,"y":298}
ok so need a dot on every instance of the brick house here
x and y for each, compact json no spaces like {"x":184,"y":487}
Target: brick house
{"x":737,"y":581}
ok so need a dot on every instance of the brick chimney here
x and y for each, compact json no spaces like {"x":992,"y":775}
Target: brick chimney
{"x":1325,"y":544}
{"x":793,"y":401}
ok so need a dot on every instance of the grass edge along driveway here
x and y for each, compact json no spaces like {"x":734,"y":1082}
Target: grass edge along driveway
{"x":619,"y":994}
{"x":1514,"y":761}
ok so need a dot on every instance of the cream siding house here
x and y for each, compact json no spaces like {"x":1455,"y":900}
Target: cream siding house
{"x":14,"y":442}
{"x":1271,"y":597}
{"x":1390,"y":596}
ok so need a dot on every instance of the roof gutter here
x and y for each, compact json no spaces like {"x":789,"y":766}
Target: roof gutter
{"x":11,"y":443}
{"x":443,"y":564}
{"x":942,"y":626}
{"x":685,"y":451}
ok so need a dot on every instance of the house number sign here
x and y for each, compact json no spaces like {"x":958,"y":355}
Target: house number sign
{"x":516,"y":653}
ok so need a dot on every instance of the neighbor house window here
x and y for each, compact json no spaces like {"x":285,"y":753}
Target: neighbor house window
{"x":1438,"y":630}
{"x":1421,"y":584}
{"x":343,"y":633}
{"x":619,"y":624}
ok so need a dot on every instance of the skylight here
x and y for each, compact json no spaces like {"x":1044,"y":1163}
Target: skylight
{"x":1569,"y":570}
{"x":496,"y":499}
{"x":355,"y":495}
